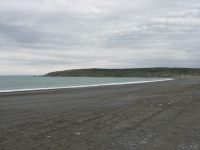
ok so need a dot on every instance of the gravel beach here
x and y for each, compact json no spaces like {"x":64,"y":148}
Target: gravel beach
{"x":149,"y":116}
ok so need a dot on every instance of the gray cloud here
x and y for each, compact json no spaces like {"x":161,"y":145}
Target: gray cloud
{"x":41,"y":36}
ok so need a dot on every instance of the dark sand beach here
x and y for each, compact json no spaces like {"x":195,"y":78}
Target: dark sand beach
{"x":149,"y":116}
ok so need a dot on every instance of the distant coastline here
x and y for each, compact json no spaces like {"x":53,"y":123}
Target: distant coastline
{"x":135,"y":72}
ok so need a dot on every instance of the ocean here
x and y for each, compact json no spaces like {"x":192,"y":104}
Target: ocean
{"x":26,"y":83}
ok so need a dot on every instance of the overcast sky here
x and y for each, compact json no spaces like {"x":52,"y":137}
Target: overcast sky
{"x":40,"y":36}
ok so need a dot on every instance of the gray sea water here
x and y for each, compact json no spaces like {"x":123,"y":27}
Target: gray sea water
{"x":25,"y":83}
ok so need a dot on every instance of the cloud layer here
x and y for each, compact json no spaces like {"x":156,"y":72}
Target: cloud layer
{"x":37,"y":37}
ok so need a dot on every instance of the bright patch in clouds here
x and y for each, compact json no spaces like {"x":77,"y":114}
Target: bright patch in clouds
{"x":37,"y":37}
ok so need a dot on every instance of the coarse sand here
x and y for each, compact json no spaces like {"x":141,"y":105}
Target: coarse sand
{"x":150,"y":116}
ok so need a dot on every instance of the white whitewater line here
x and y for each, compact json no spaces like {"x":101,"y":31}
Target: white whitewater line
{"x":82,"y":86}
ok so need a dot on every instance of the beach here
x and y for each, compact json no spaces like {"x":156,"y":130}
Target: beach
{"x":145,"y":116}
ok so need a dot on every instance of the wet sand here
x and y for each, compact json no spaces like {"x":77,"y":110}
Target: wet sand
{"x":162,"y":115}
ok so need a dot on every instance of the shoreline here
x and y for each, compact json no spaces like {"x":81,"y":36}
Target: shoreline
{"x":156,"y":115}
{"x":84,"y":86}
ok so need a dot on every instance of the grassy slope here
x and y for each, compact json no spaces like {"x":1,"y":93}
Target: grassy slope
{"x":138,"y":72}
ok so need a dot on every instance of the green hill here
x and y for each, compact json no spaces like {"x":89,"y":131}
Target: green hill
{"x":137,"y":72}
